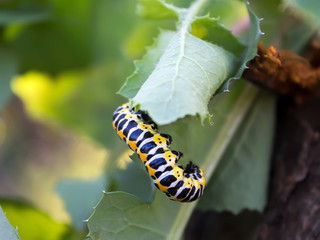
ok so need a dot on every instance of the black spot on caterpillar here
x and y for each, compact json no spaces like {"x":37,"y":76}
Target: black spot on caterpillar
{"x":141,"y":134}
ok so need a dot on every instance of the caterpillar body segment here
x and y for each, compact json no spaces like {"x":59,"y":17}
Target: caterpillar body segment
{"x":141,"y":134}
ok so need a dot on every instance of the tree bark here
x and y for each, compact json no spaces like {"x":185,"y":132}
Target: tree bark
{"x":293,"y":210}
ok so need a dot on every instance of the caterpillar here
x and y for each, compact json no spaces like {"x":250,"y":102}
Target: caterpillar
{"x":140,"y":133}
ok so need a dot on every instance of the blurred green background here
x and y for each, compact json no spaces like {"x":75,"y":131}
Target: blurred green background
{"x":63,"y":61}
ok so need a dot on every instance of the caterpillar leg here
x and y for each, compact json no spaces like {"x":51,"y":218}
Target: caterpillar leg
{"x":167,"y":136}
{"x":178,"y":154}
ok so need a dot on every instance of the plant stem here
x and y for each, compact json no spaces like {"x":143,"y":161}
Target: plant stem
{"x":228,"y":130}
{"x":192,"y":12}
{"x":226,"y":134}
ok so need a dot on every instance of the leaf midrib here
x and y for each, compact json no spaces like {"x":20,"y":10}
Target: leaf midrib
{"x":192,"y":12}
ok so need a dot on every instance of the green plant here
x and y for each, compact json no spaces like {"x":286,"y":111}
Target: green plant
{"x":64,"y":61}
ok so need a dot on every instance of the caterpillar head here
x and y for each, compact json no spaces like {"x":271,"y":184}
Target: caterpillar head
{"x":178,"y":154}
{"x":191,"y":168}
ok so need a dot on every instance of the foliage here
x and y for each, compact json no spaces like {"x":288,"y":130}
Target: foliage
{"x":7,"y":231}
{"x":42,"y":225}
{"x":64,"y":61}
{"x":181,"y":60}
{"x":246,"y":158}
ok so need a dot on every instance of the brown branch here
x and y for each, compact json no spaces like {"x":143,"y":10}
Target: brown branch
{"x":286,"y":73}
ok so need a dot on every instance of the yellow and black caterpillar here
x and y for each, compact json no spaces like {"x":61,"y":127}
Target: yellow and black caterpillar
{"x":140,"y":133}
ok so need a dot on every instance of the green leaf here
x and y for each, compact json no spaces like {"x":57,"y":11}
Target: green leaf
{"x":157,"y":9}
{"x":252,"y":42}
{"x":145,"y":66}
{"x":187,"y":63}
{"x":241,"y":178}
{"x":122,"y":216}
{"x":80,"y":196}
{"x":178,"y":76}
{"x":253,"y":36}
{"x":210,"y":30}
{"x":8,"y":68}
{"x":6,"y":230}
{"x":187,"y":75}
{"x":32,"y":223}
{"x":143,"y":187}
